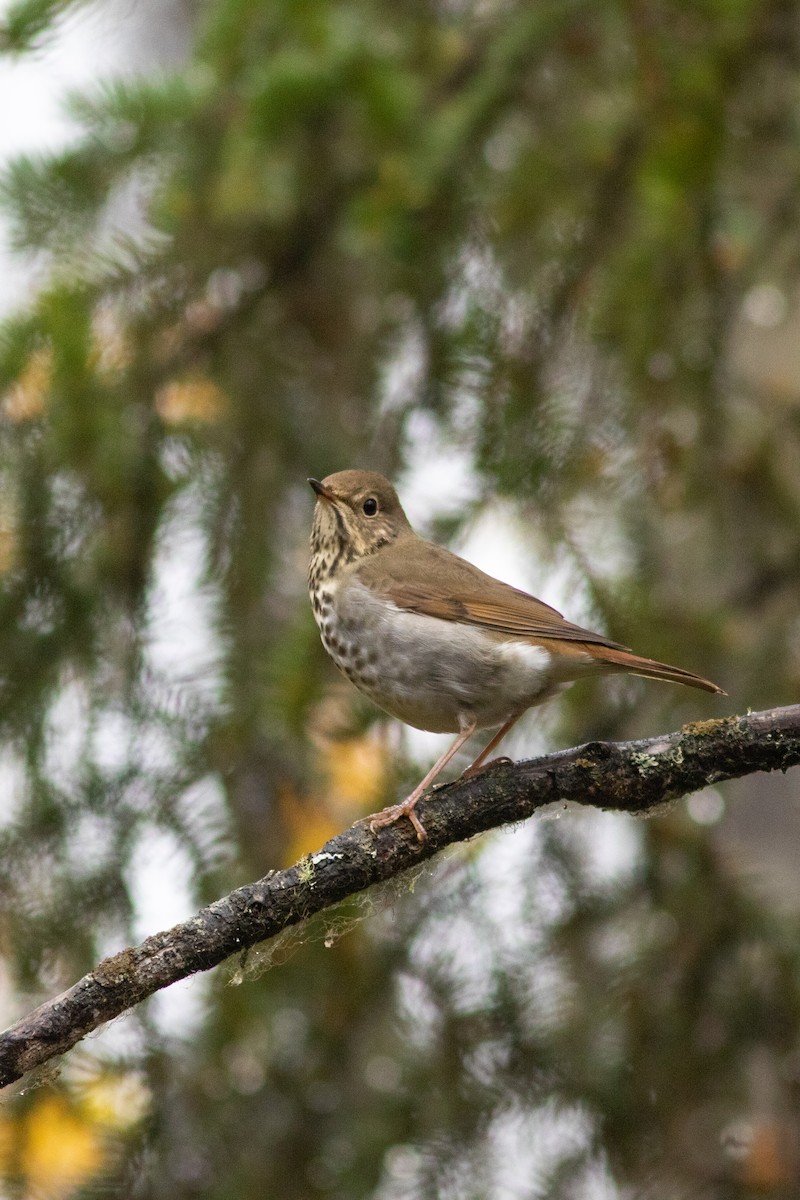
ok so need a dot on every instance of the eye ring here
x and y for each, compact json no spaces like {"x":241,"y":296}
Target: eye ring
{"x":370,"y":506}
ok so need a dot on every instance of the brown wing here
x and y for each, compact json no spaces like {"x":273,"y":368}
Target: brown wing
{"x":431,"y":580}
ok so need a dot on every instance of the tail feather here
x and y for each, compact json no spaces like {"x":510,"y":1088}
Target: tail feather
{"x":625,"y":660}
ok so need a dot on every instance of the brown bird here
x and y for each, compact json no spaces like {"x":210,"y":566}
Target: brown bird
{"x":433,"y":640}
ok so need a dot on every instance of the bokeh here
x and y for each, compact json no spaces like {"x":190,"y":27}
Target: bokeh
{"x":539,"y":263}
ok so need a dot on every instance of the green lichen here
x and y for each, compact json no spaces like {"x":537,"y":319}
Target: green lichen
{"x":305,"y":869}
{"x":711,"y":728}
{"x":115,"y":970}
{"x":646,"y":764}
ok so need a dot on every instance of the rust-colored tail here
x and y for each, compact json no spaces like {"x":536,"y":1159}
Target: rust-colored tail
{"x":625,"y":660}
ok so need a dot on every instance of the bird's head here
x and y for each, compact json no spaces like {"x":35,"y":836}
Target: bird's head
{"x":358,"y":512}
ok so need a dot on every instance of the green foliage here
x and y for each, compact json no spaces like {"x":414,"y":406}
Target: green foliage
{"x":27,"y":22}
{"x":348,"y":234}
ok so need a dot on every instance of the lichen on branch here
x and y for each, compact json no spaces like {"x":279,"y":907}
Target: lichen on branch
{"x":635,"y":777}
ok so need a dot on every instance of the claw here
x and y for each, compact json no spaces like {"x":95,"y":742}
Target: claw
{"x":394,"y":812}
{"x":479,"y":768}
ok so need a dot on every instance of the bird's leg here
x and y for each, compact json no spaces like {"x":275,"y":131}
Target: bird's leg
{"x":480,"y":763}
{"x":394,"y":812}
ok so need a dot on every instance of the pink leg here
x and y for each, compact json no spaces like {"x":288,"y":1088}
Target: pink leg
{"x":479,"y":762}
{"x":394,"y":812}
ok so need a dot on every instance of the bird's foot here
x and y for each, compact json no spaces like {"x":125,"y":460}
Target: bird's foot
{"x":394,"y":812}
{"x":479,"y":768}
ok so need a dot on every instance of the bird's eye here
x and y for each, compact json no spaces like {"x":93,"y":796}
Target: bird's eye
{"x":370,"y":506}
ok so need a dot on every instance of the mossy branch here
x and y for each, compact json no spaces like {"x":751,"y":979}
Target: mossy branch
{"x":634,"y":777}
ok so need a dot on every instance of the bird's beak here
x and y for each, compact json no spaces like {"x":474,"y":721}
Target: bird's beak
{"x":322,"y":491}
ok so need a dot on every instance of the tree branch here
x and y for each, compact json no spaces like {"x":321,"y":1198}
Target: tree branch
{"x":634,"y":777}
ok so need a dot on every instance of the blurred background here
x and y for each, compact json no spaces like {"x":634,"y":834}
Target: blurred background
{"x":540,"y":263}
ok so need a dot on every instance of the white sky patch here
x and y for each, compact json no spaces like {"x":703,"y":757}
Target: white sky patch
{"x":66,"y":733}
{"x":182,"y":645}
{"x":112,"y":738}
{"x":91,"y":44}
{"x":495,"y":543}
{"x":513,"y":856}
{"x":119,"y":742}
{"x":527,"y":1147}
{"x":441,"y":481}
{"x":32,"y":88}
{"x":119,"y":1039}
{"x":706,"y":807}
{"x":179,"y":1009}
{"x":403,"y":373}
{"x":612,"y":843}
{"x":203,"y":803}
{"x":91,"y":840}
{"x":13,"y":783}
{"x":159,"y":879}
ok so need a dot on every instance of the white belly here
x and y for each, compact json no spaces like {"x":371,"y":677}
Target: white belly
{"x":430,"y":673}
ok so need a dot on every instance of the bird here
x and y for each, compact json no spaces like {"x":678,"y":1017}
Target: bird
{"x":433,"y":640}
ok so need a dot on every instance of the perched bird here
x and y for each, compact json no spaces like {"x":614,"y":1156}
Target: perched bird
{"x":432,"y":639}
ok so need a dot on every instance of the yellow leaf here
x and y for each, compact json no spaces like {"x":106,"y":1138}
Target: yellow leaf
{"x":356,"y":771}
{"x":308,"y":820}
{"x":112,"y":350}
{"x":8,"y":1137}
{"x":354,"y":774}
{"x":116,"y":1101}
{"x":60,"y":1150}
{"x":193,"y":398}
{"x":26,"y":398}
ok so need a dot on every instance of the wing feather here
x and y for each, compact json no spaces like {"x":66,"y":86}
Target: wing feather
{"x":433,"y":581}
{"x":518,"y":615}
{"x":429,"y":580}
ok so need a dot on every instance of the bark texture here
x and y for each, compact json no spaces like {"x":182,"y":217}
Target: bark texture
{"x":634,"y":777}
